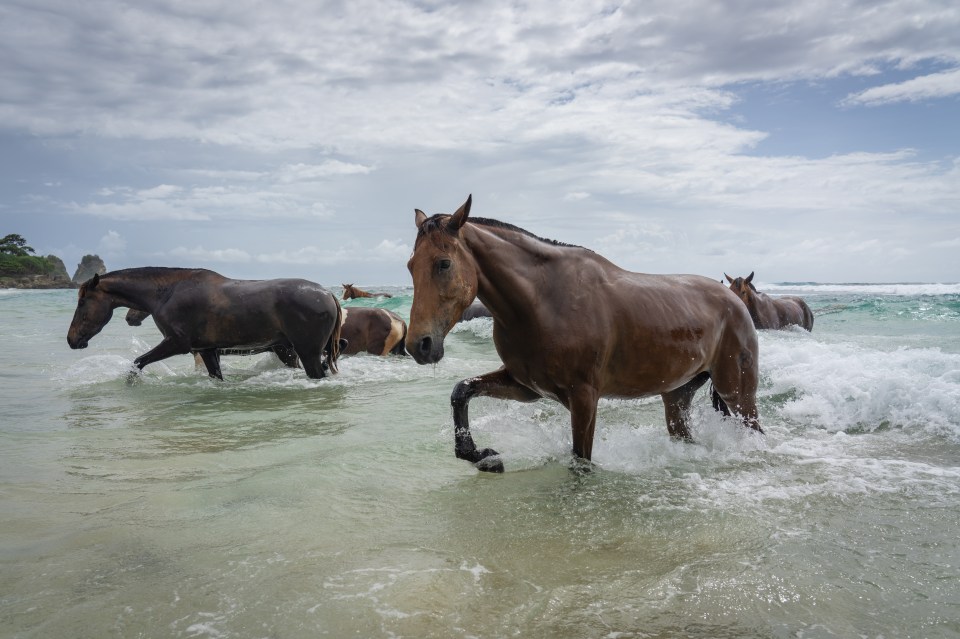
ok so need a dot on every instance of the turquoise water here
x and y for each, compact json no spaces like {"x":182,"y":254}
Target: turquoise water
{"x":272,"y":505}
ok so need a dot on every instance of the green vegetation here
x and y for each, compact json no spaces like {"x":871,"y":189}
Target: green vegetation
{"x":16,"y":259}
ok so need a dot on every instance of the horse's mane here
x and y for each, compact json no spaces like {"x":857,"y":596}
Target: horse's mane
{"x":435,"y":223}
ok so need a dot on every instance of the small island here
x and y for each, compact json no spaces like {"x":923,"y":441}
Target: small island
{"x":20,"y":268}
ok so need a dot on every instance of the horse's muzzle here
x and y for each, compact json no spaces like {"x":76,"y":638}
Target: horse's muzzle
{"x":427,"y":350}
{"x":78,"y":342}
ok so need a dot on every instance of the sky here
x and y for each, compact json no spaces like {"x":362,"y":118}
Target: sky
{"x":806,"y":141}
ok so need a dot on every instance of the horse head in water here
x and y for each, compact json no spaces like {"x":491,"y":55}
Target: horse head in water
{"x":571,"y":326}
{"x":769,"y":312}
{"x":352,"y":292}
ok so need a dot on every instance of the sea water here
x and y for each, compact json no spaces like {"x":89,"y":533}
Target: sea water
{"x":168,"y":504}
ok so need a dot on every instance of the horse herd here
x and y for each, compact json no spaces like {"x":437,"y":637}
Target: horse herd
{"x":568,"y":324}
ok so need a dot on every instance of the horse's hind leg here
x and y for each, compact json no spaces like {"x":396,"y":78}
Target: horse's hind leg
{"x":499,"y":384}
{"x":676,"y":405}
{"x":735,"y":388}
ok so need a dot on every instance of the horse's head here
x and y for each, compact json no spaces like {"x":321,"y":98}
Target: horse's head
{"x":348,"y":292}
{"x":94,"y":310}
{"x":444,"y":282}
{"x":135,"y":317}
{"x":743,"y":287}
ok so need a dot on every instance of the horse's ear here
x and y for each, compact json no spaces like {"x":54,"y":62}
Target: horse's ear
{"x":420,"y":218}
{"x":749,"y":278}
{"x":458,"y":218}
{"x":93,"y":281}
{"x":729,"y":279}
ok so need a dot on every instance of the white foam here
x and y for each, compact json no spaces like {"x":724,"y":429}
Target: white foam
{"x":844,"y":386}
{"x":863,"y":289}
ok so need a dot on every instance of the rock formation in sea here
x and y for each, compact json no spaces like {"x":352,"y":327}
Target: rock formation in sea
{"x":89,"y":266}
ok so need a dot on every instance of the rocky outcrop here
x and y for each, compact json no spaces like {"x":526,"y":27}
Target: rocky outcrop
{"x":54,"y":275}
{"x":59,"y":269}
{"x":89,"y":266}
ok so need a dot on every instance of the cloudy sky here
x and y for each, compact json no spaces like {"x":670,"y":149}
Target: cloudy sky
{"x":804,"y":140}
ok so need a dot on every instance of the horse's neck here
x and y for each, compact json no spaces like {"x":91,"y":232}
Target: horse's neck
{"x":758,"y":303}
{"x":509,"y":267}
{"x":141,"y":294}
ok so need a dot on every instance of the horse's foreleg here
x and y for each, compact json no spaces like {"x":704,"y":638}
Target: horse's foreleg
{"x":499,"y":384}
{"x":211,"y":359}
{"x":167,"y":348}
{"x":287,"y":355}
{"x":583,"y":420}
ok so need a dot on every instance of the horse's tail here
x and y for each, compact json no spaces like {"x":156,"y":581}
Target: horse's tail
{"x":718,"y":404}
{"x":333,"y":343}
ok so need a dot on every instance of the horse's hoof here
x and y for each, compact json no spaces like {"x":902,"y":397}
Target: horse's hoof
{"x":490,"y":461}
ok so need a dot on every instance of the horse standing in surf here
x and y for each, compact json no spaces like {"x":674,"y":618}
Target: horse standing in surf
{"x":771,"y":312}
{"x":201,"y":311}
{"x":574,"y":327}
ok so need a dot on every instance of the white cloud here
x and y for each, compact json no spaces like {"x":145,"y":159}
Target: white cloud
{"x":202,"y":254}
{"x":112,"y":244}
{"x":926,"y":87}
{"x":309,"y":172}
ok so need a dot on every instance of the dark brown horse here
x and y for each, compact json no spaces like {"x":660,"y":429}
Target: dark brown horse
{"x":200,"y":311}
{"x":475,"y":310}
{"x":352,"y":292}
{"x":284,"y":352}
{"x":771,"y":312}
{"x":373,"y":330}
{"x":572,"y":326}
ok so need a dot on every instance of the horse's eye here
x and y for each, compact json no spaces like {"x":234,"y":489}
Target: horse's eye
{"x":443,"y":265}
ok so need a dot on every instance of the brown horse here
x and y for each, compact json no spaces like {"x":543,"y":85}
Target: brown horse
{"x":352,"y":292}
{"x":771,"y":312}
{"x":201,"y":311}
{"x":572,"y":326}
{"x":373,"y":330}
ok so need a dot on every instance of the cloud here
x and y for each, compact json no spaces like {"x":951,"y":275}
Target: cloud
{"x":201,"y":254}
{"x":112,"y":244}
{"x":309,"y":172}
{"x":926,"y":87}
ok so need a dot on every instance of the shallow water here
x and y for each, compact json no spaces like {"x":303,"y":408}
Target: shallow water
{"x":167,"y":504}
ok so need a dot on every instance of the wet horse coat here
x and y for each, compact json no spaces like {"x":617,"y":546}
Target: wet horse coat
{"x":771,"y":312}
{"x":284,"y":353}
{"x":571,"y":326}
{"x":373,"y":330}
{"x":201,"y":311}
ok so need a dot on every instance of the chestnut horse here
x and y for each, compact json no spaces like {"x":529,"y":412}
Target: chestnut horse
{"x":373,"y":330}
{"x":352,"y":292}
{"x":201,"y":311}
{"x":771,"y":312}
{"x":571,"y":326}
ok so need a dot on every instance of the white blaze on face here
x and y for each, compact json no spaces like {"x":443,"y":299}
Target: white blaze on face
{"x":343,"y":316}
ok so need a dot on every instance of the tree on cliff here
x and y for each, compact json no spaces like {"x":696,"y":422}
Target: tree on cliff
{"x":14,"y":244}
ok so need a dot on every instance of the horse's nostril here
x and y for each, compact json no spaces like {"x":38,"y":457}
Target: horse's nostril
{"x":425,"y":345}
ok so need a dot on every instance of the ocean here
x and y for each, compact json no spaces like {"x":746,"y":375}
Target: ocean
{"x":167,"y":504}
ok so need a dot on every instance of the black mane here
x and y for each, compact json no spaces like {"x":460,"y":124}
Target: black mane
{"x":435,"y":222}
